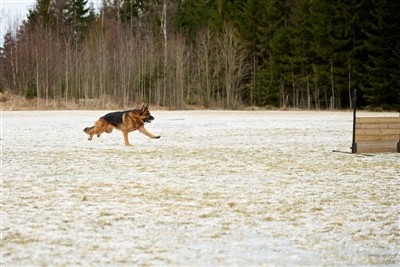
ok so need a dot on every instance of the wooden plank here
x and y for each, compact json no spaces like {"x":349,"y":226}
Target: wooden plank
{"x":394,"y":125}
{"x":391,"y":125}
{"x":373,"y":131}
{"x":377,"y":137}
{"x":376,"y":147}
{"x":378,"y":120}
{"x":378,"y":143}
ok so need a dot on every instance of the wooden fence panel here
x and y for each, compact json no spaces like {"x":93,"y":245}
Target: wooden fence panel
{"x":377,"y":134}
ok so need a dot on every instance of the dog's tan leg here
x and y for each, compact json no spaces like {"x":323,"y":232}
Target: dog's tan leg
{"x":126,"y":138}
{"x":100,"y":132}
{"x":145,"y":132}
{"x":96,"y":129}
{"x":91,"y":136}
{"x":109,"y":129}
{"x":92,"y":133}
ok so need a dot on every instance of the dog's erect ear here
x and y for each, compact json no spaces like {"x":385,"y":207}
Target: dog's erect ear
{"x":144,"y":108}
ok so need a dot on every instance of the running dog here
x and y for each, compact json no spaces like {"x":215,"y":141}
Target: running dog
{"x":125,"y":121}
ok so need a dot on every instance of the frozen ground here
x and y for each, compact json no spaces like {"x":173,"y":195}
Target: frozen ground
{"x":226,"y":188}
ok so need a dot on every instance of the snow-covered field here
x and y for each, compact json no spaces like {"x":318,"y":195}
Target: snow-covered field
{"x":220,"y":188}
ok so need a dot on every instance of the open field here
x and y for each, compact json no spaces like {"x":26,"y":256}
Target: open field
{"x":243,"y":188}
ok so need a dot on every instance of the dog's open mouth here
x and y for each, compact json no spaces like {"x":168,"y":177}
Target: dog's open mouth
{"x":148,"y":119}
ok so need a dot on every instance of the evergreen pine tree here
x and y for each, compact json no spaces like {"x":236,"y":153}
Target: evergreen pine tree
{"x":381,"y":83}
{"x":271,"y":51}
{"x":42,"y":13}
{"x":131,"y":9}
{"x":77,"y":15}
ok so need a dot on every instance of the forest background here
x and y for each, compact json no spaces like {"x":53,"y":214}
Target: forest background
{"x":307,"y":54}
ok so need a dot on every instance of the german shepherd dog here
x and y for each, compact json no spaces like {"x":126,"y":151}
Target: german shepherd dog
{"x":125,"y":121}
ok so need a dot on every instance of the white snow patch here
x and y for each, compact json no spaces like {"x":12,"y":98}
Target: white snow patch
{"x":227,"y":188}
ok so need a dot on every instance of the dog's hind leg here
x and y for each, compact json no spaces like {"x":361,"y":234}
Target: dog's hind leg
{"x":99,"y":133}
{"x":109,"y":129}
{"x":87,"y":130}
{"x":98,"y":129}
{"x":90,"y":132}
{"x":91,"y":136}
{"x":93,"y":132}
{"x":145,"y":132}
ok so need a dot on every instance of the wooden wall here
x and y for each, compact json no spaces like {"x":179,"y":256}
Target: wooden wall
{"x":377,"y":134}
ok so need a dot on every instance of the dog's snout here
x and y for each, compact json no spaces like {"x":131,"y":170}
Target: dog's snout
{"x":149,"y":118}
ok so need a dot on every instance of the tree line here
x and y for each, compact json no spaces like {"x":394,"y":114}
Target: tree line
{"x":307,"y":54}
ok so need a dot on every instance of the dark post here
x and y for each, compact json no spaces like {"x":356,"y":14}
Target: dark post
{"x":398,"y":143}
{"x":354,"y":144}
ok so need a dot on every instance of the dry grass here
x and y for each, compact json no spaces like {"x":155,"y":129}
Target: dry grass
{"x":14,"y":103}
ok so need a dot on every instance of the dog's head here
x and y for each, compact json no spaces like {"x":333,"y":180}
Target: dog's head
{"x":145,"y":113}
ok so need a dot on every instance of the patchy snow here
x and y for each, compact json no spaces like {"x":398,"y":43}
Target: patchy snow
{"x":239,"y":188}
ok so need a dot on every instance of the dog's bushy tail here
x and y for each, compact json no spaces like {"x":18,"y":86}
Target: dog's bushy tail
{"x":88,"y":129}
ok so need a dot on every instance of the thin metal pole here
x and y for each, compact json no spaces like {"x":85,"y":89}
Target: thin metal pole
{"x":354,"y":144}
{"x":398,"y":143}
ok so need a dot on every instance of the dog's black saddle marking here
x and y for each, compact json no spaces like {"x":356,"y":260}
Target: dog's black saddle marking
{"x":115,"y":118}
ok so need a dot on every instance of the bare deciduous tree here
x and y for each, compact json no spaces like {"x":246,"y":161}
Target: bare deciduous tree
{"x":232,"y":54}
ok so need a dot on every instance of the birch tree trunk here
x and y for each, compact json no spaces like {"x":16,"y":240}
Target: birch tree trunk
{"x":332,"y":102}
{"x":164,"y":30}
{"x":37,"y":78}
{"x":67,"y":55}
{"x":232,"y":54}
